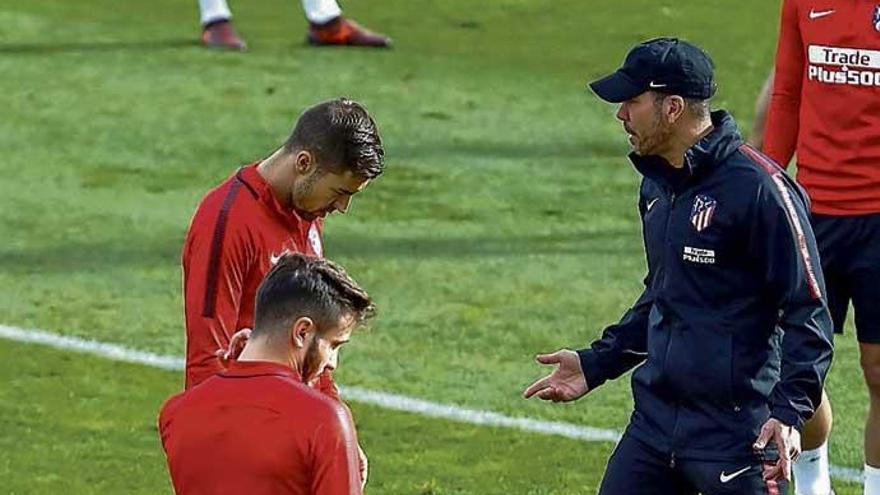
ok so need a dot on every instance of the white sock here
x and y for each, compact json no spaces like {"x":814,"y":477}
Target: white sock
{"x":213,"y":10}
{"x":321,"y":11}
{"x":872,"y":480}
{"x":811,"y":474}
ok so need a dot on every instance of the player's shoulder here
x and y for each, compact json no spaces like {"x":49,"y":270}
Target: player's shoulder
{"x":224,"y":195}
{"x":169,"y":409}
{"x":306,"y":403}
{"x":231,"y":203}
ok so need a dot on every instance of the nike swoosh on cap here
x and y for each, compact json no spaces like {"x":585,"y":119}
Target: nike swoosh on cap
{"x":652,"y":84}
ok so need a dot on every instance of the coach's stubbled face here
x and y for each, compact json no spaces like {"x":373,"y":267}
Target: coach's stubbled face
{"x":322,"y":354}
{"x":643,"y":122}
{"x":321,"y":193}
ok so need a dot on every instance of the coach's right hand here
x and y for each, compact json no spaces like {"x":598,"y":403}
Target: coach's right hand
{"x":567,"y":381}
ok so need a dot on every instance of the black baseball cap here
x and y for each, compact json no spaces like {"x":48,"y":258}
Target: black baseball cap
{"x":667,"y":65}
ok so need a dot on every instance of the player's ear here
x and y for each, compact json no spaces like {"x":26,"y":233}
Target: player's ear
{"x":304,"y":162}
{"x":302,"y":330}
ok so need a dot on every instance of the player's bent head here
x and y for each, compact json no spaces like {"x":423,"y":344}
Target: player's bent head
{"x":302,"y":287}
{"x":341,"y":136}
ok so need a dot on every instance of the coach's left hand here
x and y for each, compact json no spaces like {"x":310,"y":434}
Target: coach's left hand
{"x":565,"y":383}
{"x":788,"y":442}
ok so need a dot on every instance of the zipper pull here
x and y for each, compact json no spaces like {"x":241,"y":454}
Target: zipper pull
{"x":672,"y":460}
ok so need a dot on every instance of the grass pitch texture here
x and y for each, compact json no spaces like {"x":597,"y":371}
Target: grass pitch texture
{"x":505,"y":224}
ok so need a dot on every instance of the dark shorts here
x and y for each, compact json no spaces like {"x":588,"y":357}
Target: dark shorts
{"x":636,"y":468}
{"x":850,"y":250}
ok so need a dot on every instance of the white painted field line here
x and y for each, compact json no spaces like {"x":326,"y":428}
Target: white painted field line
{"x":477,"y":417}
{"x":85,"y":346}
{"x":356,"y":394}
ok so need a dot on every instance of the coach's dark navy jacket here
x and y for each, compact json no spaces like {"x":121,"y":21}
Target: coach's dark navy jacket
{"x":732,"y":326}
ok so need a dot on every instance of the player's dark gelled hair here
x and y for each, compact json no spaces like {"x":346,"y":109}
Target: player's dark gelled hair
{"x":302,"y":286}
{"x":342,"y":135}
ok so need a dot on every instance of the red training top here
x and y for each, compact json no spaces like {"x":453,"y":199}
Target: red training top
{"x":237,"y":231}
{"x":825,"y":103}
{"x":257,"y":429}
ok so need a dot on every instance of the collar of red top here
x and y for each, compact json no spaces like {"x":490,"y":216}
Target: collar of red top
{"x":257,"y":185}
{"x":236,"y":369}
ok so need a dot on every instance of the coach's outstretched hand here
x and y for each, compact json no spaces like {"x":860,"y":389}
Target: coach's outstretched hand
{"x":567,"y":381}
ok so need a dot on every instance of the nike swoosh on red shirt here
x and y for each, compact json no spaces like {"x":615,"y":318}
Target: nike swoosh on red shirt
{"x":822,"y":13}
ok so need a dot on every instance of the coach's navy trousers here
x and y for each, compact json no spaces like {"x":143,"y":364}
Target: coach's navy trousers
{"x":636,"y":468}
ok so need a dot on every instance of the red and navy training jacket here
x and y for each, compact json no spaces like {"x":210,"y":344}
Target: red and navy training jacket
{"x":732,"y":327}
{"x":237,"y":231}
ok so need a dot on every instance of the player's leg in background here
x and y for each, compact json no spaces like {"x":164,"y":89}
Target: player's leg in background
{"x":321,"y":11}
{"x":866,"y":305}
{"x":811,"y":469}
{"x":870,"y":360}
{"x":636,"y":468}
{"x":213,"y":11}
{"x":327,"y":26}
{"x":217,"y":30}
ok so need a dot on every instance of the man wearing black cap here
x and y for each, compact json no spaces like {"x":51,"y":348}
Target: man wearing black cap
{"x":732,"y":331}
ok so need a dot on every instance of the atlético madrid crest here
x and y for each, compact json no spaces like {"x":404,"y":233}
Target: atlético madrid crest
{"x":875,"y":19}
{"x":702,"y":212}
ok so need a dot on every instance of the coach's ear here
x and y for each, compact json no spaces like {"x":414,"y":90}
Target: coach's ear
{"x":673,"y":108}
{"x":302,"y":331}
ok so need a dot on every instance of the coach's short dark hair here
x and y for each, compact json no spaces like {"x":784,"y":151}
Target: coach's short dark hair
{"x":302,"y":286}
{"x":697,"y":107}
{"x":341,"y":135}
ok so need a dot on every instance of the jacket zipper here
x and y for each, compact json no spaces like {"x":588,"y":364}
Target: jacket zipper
{"x":666,"y":237}
{"x":668,"y":264}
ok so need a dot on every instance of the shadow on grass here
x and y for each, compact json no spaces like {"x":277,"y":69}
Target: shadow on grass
{"x":597,"y":243}
{"x":164,"y":251}
{"x":585,"y":150}
{"x":93,"y":46}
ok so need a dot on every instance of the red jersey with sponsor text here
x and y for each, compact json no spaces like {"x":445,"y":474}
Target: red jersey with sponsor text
{"x":236,"y":232}
{"x":257,"y":429}
{"x":825,"y":104}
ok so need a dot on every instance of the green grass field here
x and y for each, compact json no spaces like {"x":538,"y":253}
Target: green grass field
{"x":505,"y":224}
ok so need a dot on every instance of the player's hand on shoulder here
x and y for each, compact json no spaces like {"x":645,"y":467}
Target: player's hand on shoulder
{"x":364,"y":466}
{"x":565,"y":383}
{"x":236,"y":345}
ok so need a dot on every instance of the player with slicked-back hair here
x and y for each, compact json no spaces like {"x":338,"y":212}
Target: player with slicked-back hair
{"x":259,"y":427}
{"x":263,"y":210}
{"x":300,"y":286}
{"x":341,"y":134}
